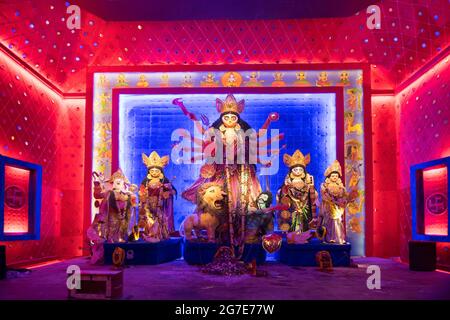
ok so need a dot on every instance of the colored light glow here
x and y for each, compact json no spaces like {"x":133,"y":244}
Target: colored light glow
{"x":433,"y":71}
{"x":42,"y":264}
{"x":27,"y":76}
{"x":435,"y":173}
{"x":445,"y":153}
{"x":442,"y":271}
{"x":436,"y":202}
{"x":16,"y":200}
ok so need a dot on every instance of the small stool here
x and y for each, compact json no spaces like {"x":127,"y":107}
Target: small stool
{"x":99,"y":284}
{"x":422,"y":255}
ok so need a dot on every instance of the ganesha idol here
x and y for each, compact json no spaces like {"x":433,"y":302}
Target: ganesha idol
{"x":117,"y":201}
{"x":156,"y":200}
{"x":298,"y":194}
{"x":334,"y":201}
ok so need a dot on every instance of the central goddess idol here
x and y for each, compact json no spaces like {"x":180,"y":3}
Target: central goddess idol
{"x":226,"y":141}
{"x":230,"y":148}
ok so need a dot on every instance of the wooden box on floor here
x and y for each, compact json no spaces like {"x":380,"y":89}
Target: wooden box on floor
{"x":99,"y":284}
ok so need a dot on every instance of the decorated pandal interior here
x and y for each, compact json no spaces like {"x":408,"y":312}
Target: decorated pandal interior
{"x":233,"y":214}
{"x":210,"y":150}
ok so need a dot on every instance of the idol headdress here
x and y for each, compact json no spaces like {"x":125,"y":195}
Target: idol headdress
{"x":334,"y":167}
{"x":230,"y":105}
{"x":155,"y":161}
{"x":297,"y":159}
{"x":118,"y":175}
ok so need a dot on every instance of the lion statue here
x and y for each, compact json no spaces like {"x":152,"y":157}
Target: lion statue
{"x":210,"y":206}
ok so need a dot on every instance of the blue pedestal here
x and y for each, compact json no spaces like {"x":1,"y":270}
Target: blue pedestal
{"x":305,"y":254}
{"x":145,"y":253}
{"x":254,"y":252}
{"x":201,"y":253}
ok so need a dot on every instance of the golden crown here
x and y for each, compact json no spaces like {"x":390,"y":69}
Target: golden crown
{"x":297,"y":159}
{"x":334,"y":167}
{"x":154,"y":160}
{"x":229,"y":105}
{"x":118,"y":175}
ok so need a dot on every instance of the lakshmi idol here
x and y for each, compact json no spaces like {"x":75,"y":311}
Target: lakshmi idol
{"x":298,"y":193}
{"x":156,"y":200}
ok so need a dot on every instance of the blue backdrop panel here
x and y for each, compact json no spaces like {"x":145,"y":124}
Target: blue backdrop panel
{"x":147,"y":122}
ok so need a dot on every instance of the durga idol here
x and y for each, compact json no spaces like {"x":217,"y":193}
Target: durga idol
{"x":230,"y":147}
{"x":237,"y":174}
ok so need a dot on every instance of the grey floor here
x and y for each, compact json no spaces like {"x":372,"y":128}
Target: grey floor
{"x":177,"y":280}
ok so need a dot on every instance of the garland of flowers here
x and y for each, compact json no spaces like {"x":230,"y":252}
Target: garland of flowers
{"x":243,"y":182}
{"x":297,"y":216}
{"x":164,"y":230}
{"x":230,"y":206}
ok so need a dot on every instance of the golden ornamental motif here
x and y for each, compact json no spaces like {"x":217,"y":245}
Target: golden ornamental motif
{"x":297,"y":159}
{"x":334,"y":167}
{"x":230,"y":105}
{"x":154,"y":160}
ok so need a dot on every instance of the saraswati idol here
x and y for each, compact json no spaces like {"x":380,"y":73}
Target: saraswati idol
{"x":156,"y":200}
{"x":334,"y":201}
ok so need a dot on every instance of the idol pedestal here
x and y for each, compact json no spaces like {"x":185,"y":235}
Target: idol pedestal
{"x":305,"y":254}
{"x":145,"y":253}
{"x":201,"y":253}
{"x":254,"y":252}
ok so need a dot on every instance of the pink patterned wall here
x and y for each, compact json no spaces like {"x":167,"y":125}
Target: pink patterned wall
{"x":424,"y":113}
{"x":385,"y":196}
{"x":36,"y":125}
{"x":412,"y":33}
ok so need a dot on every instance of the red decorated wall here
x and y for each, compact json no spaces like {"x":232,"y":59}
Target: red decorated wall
{"x":411,"y":34}
{"x":36,"y":125}
{"x":385,"y":205}
{"x":424,"y":111}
